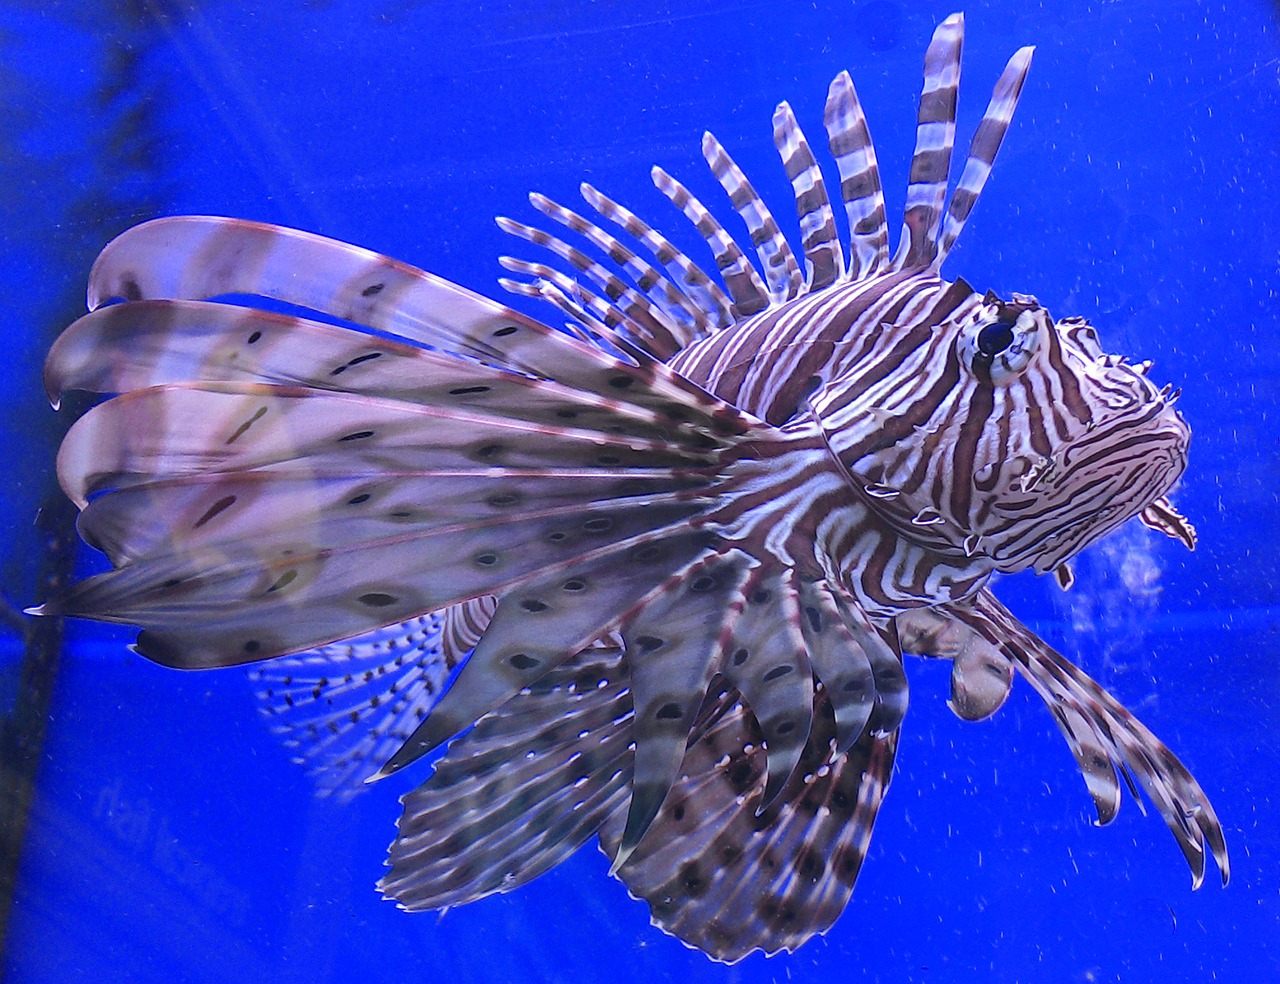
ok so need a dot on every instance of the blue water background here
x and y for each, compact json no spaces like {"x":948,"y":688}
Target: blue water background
{"x":173,"y":841}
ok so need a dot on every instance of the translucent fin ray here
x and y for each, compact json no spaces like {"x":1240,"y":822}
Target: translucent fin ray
{"x":729,"y":881}
{"x":346,"y":707}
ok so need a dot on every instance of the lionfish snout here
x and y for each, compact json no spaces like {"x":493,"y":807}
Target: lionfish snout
{"x":1128,"y":453}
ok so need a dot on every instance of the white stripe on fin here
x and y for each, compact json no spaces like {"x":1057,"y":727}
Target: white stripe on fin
{"x":776,"y":257}
{"x":743,"y":282}
{"x":824,"y":257}
{"x":860,"y":188}
{"x":697,"y":285}
{"x":983,"y":149}
{"x":935,"y":136}
{"x":676,"y":308}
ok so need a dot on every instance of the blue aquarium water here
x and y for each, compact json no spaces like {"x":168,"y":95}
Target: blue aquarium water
{"x":168,"y":835}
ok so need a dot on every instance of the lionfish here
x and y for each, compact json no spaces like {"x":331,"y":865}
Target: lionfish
{"x":653,"y":573}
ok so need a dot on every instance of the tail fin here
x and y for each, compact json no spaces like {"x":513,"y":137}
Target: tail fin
{"x":347,"y":707}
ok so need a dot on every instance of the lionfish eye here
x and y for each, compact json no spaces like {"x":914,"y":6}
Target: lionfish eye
{"x":997,"y":352}
{"x":995,"y":338}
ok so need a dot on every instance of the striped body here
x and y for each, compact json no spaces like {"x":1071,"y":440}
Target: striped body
{"x":665,"y":564}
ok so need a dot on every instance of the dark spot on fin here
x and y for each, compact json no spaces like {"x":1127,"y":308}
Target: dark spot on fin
{"x":222,"y":504}
{"x":239,"y":431}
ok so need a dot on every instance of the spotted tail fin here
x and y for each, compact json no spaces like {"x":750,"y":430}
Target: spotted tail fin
{"x":346,"y":707}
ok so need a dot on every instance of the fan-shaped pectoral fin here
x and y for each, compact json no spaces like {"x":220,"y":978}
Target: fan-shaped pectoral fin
{"x":673,"y":639}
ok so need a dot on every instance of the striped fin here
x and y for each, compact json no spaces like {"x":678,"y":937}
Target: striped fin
{"x":1103,"y":734}
{"x":982,"y":151}
{"x":183,"y":429}
{"x":714,"y":305}
{"x":729,"y":882}
{"x":521,"y":791}
{"x":346,"y":707}
{"x":860,"y":188}
{"x":674,"y":640}
{"x":581,"y":324}
{"x":929,"y":230}
{"x":242,"y":513}
{"x":646,"y":320}
{"x":1161,"y":515}
{"x":823,"y":254}
{"x":935,"y":136}
{"x":776,"y":258}
{"x":307,"y":585}
{"x":543,"y":622}
{"x":127,"y":347}
{"x":593,"y":314}
{"x":463,"y":626}
{"x":749,"y":293}
{"x":199,"y":257}
{"x":660,"y":291}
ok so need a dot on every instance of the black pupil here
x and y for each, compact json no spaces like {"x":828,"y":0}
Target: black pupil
{"x":995,"y":338}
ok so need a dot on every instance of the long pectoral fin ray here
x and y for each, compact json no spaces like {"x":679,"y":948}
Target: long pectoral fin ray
{"x":767,"y":662}
{"x":541,"y":623}
{"x":674,"y":641}
{"x":214,"y":428}
{"x":242,"y":512}
{"x":288,"y":593}
{"x":521,"y":791}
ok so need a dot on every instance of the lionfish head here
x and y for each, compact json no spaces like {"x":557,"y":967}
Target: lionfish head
{"x":1029,"y":441}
